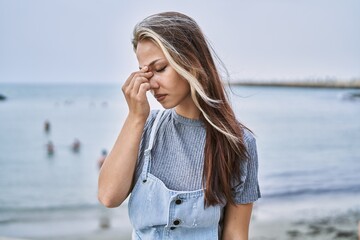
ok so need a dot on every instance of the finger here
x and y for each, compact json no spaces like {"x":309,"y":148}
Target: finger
{"x":139,"y":75}
{"x":144,"y":69}
{"x":128,"y":80}
{"x":136,"y":76}
{"x":143,"y":88}
{"x":137,"y":83}
{"x":132,"y":75}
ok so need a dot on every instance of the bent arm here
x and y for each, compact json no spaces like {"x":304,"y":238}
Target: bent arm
{"x":237,"y":221}
{"x":117,"y":172}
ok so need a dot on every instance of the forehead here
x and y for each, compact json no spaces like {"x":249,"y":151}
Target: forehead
{"x":147,"y":52}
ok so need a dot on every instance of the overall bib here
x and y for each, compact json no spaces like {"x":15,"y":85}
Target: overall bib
{"x":157,"y":212}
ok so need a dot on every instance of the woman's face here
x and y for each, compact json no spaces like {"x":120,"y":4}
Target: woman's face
{"x":167,"y":86}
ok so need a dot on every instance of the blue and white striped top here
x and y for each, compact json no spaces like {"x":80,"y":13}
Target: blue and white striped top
{"x":178,"y":156}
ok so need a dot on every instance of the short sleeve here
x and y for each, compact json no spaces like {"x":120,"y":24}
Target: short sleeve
{"x":248,"y":190}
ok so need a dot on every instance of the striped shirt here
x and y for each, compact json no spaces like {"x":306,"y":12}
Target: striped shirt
{"x":178,"y":156}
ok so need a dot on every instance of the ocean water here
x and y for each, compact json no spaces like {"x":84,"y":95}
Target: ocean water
{"x":308,"y":146}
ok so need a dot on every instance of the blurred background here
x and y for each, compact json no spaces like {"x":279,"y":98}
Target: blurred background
{"x":294,"y":73}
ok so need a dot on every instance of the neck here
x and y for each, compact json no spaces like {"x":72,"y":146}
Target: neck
{"x":188,"y":110}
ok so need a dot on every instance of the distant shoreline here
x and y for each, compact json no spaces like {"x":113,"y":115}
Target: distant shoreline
{"x":306,"y":83}
{"x":355,"y":84}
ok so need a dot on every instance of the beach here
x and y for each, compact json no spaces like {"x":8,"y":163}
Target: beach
{"x":310,"y":218}
{"x":308,"y":147}
{"x":270,"y":221}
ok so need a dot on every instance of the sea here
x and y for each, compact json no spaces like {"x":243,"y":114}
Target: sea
{"x":308,"y":143}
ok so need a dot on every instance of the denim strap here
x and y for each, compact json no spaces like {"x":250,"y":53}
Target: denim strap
{"x":147,"y":159}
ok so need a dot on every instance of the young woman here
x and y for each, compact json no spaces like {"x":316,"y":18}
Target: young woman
{"x":192,"y":168}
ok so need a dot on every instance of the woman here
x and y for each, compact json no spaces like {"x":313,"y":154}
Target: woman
{"x":191,"y":169}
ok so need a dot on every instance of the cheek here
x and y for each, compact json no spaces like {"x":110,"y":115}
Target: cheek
{"x":169,"y":79}
{"x":183,"y":86}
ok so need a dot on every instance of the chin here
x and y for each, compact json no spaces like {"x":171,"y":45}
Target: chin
{"x":168,"y":106}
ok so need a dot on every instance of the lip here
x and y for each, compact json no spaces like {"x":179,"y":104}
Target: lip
{"x":160,"y":97}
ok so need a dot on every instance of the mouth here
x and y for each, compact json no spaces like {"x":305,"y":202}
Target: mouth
{"x":160,"y":97}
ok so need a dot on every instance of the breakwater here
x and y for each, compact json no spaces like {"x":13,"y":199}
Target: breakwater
{"x":355,"y":84}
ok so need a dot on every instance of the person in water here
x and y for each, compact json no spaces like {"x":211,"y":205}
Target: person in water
{"x":191,"y":169}
{"x":75,"y":146}
{"x":102,"y":158}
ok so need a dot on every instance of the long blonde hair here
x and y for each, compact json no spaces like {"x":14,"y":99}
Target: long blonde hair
{"x":188,"y":52}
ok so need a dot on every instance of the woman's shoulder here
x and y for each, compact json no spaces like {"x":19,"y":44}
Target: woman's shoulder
{"x":154,"y":112}
{"x":152,"y":115}
{"x":249,"y":140}
{"x":248,"y":135}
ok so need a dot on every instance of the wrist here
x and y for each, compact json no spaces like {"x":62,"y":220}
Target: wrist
{"x":136,"y":119}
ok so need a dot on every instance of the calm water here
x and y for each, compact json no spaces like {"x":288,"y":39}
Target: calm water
{"x":308,"y":144}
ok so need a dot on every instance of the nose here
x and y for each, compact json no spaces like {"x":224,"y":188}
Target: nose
{"x":153,"y":83}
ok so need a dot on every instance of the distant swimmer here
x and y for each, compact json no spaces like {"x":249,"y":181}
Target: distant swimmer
{"x":2,"y":97}
{"x":102,"y":158}
{"x":47,"y":126}
{"x":104,"y":104}
{"x":50,"y":148}
{"x":76,"y":145}
{"x":105,"y":218}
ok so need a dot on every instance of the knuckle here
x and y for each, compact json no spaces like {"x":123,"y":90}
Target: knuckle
{"x":127,"y":92}
{"x":144,"y":86}
{"x":131,"y":76}
{"x":132,"y":95}
{"x":141,"y":80}
{"x":137,"y":74}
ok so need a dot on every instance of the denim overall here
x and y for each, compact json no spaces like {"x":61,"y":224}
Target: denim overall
{"x":157,"y":212}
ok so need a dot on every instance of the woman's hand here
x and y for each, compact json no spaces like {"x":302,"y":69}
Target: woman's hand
{"x":135,"y":89}
{"x":117,"y":172}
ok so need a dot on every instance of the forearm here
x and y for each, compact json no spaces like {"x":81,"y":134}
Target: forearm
{"x":116,"y":175}
{"x":236,"y":222}
{"x":235,"y":235}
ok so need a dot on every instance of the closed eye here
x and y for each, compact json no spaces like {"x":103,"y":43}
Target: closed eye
{"x":161,"y":69}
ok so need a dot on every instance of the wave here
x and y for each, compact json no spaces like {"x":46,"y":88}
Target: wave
{"x":351,"y":96}
{"x":10,"y":215}
{"x":48,"y":208}
{"x":312,"y":191}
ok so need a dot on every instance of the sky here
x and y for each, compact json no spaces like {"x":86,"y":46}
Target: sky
{"x":89,"y":41}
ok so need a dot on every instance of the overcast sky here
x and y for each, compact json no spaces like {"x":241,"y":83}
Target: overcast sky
{"x":78,"y":41}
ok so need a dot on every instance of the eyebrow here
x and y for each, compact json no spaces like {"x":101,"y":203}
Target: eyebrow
{"x":152,"y":63}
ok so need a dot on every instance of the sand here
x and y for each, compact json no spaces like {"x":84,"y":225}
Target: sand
{"x":337,"y":227}
{"x":290,"y":219}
